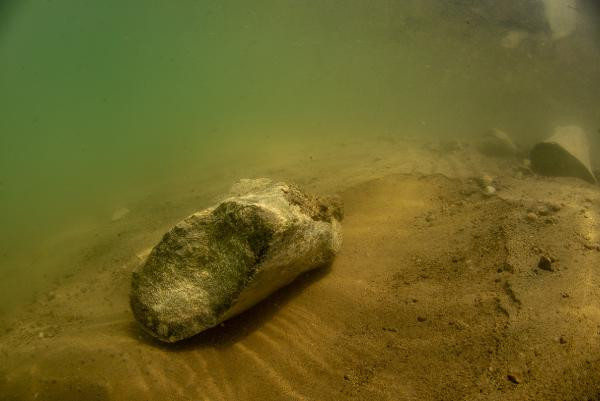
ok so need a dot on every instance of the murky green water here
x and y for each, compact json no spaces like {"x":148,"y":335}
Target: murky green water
{"x":105,"y":103}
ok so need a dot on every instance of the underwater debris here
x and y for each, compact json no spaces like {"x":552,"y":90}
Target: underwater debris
{"x":219,"y":262}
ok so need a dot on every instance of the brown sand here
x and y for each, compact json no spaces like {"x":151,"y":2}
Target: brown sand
{"x":436,"y":295}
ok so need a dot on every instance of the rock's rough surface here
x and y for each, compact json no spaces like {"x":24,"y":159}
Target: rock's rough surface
{"x":218,"y":262}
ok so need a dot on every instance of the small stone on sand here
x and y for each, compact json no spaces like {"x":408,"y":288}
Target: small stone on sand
{"x":514,"y":378}
{"x":545,"y":263}
{"x":489,"y":190}
{"x":531,"y":216}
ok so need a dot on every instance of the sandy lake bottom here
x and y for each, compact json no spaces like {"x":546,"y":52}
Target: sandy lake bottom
{"x":436,"y":294}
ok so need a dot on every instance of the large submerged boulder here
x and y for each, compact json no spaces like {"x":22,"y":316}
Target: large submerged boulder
{"x":219,"y":262}
{"x":565,"y":154}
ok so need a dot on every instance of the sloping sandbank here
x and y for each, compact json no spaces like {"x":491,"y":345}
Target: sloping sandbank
{"x":436,"y":294}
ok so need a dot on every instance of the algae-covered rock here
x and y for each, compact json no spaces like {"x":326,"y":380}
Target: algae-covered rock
{"x":218,"y":262}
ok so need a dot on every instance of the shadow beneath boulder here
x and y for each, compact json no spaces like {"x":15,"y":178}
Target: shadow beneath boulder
{"x":237,"y":328}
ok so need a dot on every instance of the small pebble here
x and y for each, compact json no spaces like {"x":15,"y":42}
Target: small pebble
{"x":485,"y":181}
{"x":514,"y":378}
{"x":555,"y":207}
{"x":489,"y":190}
{"x":542,"y":211}
{"x":545,"y":263}
{"x":531,"y":216}
{"x":421,"y":319}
